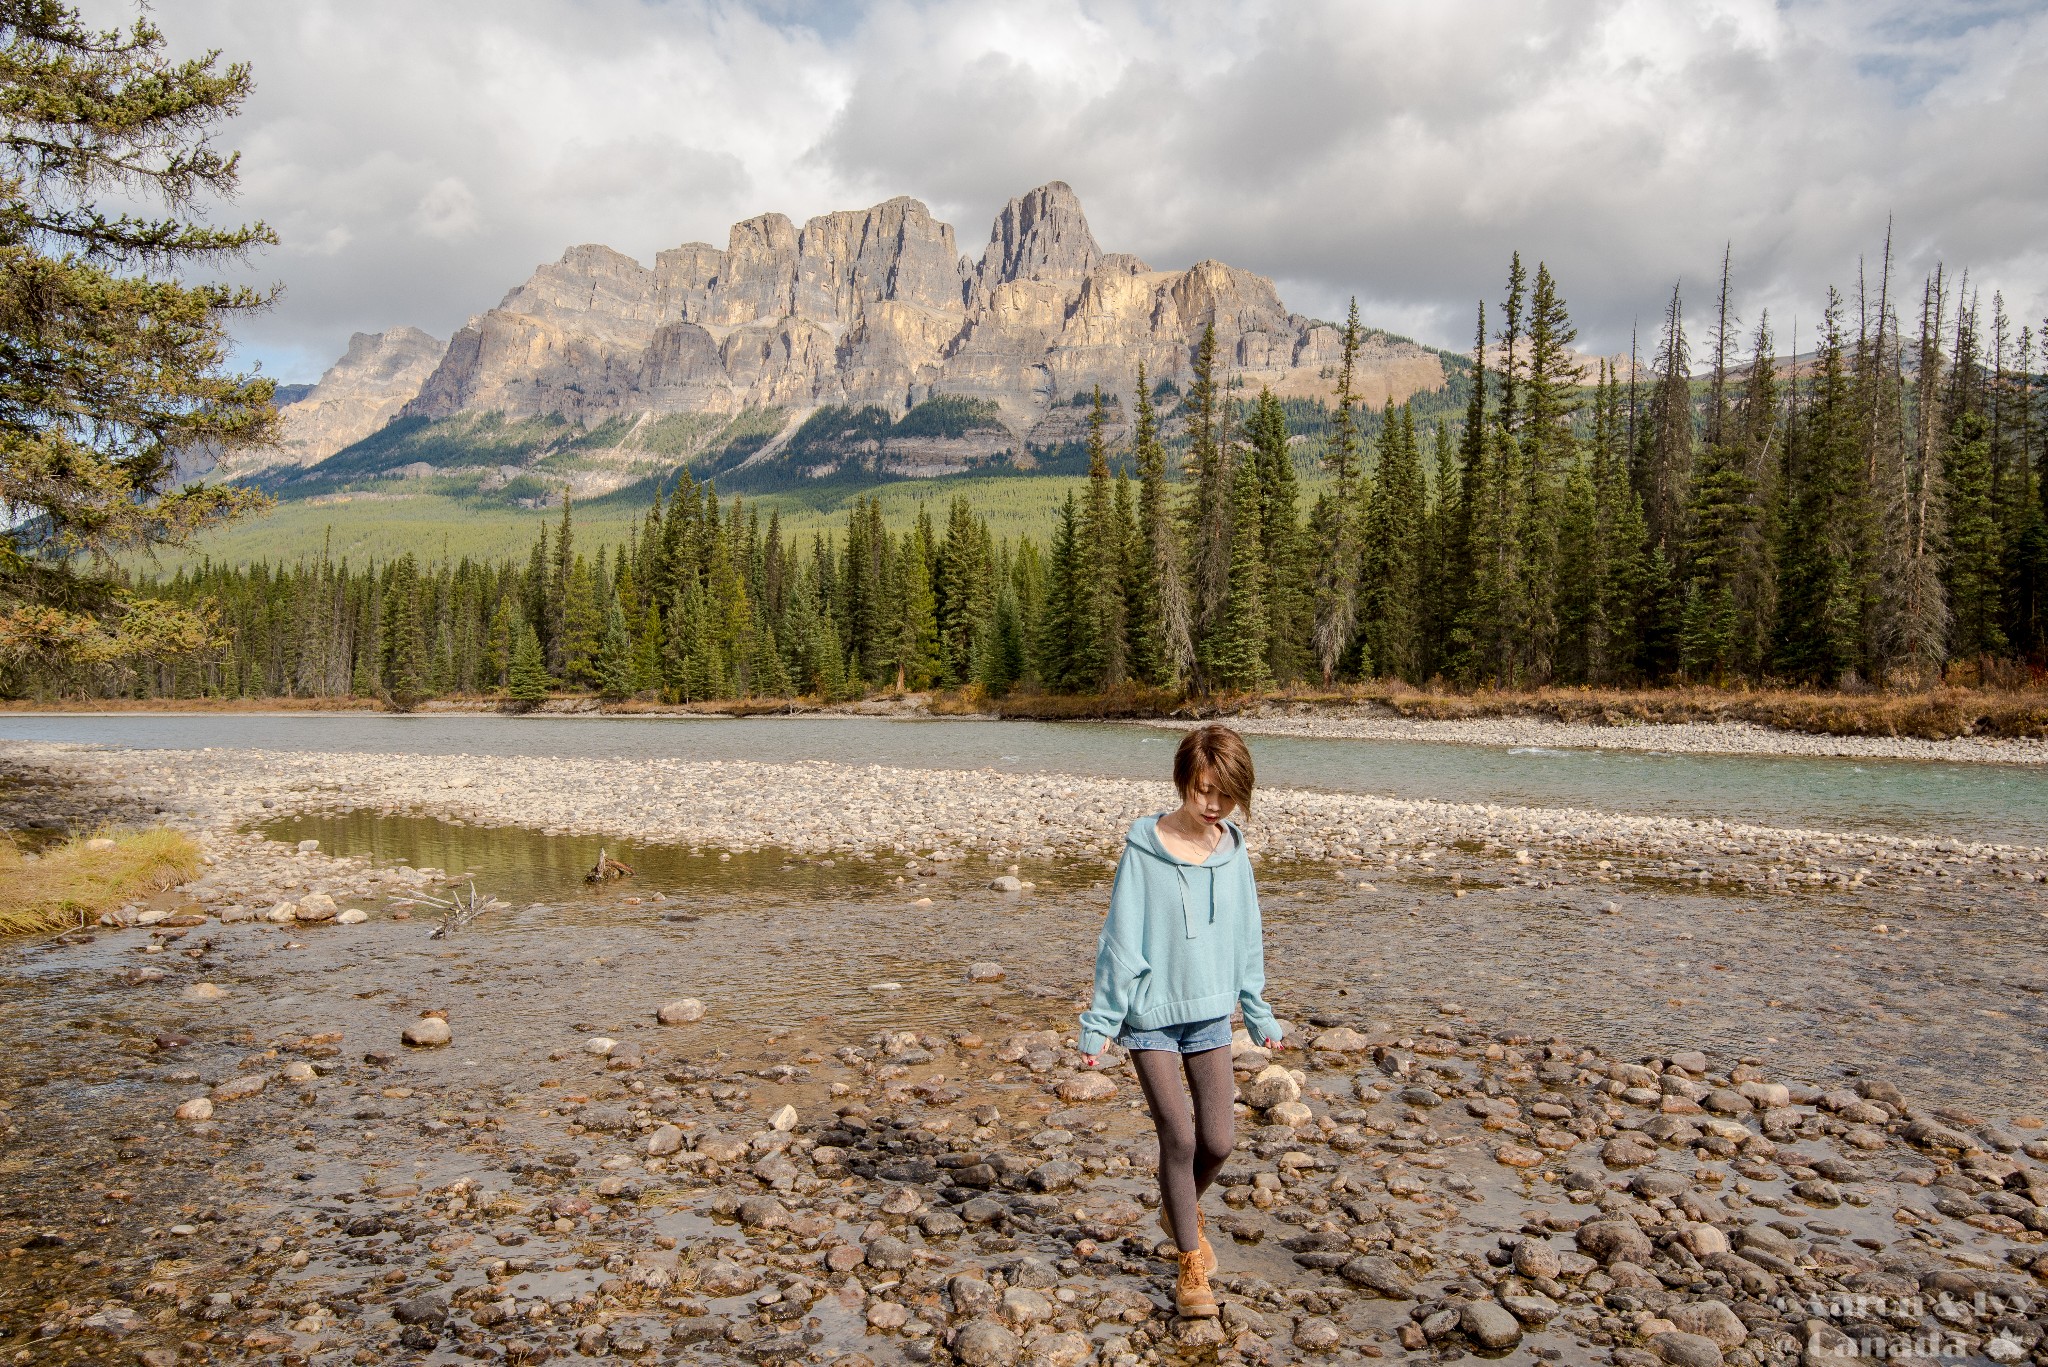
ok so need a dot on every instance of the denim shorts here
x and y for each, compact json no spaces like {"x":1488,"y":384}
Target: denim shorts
{"x":1195,"y":1037}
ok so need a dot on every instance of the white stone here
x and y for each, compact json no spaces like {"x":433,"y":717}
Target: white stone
{"x":354,"y":916}
{"x":783,"y":1120}
{"x":428,"y":1032}
{"x":198,"y":1108}
{"x":682,"y":1011}
{"x":600,"y":1045}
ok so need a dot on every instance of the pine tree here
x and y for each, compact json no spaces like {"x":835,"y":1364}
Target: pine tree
{"x":1390,"y":582}
{"x":1236,"y":658}
{"x":612,"y":670}
{"x":1549,"y":450}
{"x":113,"y":341}
{"x":1288,"y":608}
{"x":964,"y":588}
{"x":913,"y":643}
{"x":1209,"y":496}
{"x":527,"y":684}
{"x":1162,"y":640}
{"x":1908,"y":616}
{"x":560,"y":577}
{"x":1818,"y":633}
{"x":1460,"y":652}
{"x":1967,"y":493}
{"x":582,"y":625}
{"x":1758,"y":430}
{"x":1000,"y":655}
{"x":1667,"y":470}
{"x":1720,"y":523}
{"x":1059,"y":614}
{"x":1333,"y":524}
{"x":405,"y":642}
{"x":1100,"y":655}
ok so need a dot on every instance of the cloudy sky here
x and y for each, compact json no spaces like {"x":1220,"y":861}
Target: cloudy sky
{"x":420,"y":157}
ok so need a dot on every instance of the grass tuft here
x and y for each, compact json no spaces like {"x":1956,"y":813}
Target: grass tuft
{"x":69,"y":882}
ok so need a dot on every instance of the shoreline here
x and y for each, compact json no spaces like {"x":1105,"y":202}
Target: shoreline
{"x":1278,"y":718}
{"x":817,"y":807}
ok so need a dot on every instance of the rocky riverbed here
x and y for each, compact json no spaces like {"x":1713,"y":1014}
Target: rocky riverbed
{"x":817,"y":807}
{"x":1685,"y":738}
{"x":809,"y":1100}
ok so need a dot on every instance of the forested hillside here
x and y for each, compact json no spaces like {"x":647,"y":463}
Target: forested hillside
{"x":1873,"y":513}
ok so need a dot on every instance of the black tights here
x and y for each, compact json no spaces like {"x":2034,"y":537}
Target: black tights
{"x":1192,"y":1144}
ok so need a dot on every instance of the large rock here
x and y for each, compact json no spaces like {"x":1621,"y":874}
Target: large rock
{"x":682,"y":1011}
{"x":1614,"y":1240}
{"x":1709,"y":1319}
{"x":985,"y":1342}
{"x":1489,"y":1325}
{"x":1088,"y":1086}
{"x":316,"y":908}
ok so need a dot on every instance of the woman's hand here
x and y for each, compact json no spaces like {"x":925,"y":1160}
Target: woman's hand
{"x":1090,"y":1060}
{"x":1276,"y":1045}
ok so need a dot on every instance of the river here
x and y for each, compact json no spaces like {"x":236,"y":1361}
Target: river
{"x":1974,"y":801}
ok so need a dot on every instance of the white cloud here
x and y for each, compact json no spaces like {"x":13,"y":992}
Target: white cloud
{"x":447,"y":210}
{"x":419,"y":160}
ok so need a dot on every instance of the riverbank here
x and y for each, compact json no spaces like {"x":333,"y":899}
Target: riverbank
{"x":867,"y":1140}
{"x":820,"y":808}
{"x":1375,"y":722}
{"x":1994,"y":725}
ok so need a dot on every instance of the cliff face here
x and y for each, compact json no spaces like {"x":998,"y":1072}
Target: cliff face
{"x":877,"y":306}
{"x":359,"y":394}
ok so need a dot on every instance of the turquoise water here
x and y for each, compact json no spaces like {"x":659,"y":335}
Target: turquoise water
{"x":1978,"y":802}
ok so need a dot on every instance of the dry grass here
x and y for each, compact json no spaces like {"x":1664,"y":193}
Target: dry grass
{"x":1117,"y":703}
{"x":190,"y":705}
{"x":71,"y":882}
{"x":1935,"y":714}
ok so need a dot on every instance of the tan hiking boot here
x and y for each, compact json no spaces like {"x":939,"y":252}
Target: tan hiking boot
{"x":1191,"y":1293}
{"x":1202,"y":1244}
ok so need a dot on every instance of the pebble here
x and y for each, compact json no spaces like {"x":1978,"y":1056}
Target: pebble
{"x":682,"y":1011}
{"x":428,"y":1032}
{"x":985,"y":973}
{"x":198,"y":1108}
{"x":204,"y":992}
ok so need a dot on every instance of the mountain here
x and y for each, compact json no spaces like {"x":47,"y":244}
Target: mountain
{"x":823,"y":342}
{"x":361,"y":392}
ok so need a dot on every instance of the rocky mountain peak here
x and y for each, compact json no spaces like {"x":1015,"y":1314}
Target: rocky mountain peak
{"x":1040,"y":235}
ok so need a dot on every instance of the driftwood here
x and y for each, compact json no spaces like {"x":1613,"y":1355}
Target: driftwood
{"x":457,"y":911}
{"x":607,"y":868}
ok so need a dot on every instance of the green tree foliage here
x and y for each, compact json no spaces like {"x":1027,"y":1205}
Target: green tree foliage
{"x":529,"y":681}
{"x":113,"y":361}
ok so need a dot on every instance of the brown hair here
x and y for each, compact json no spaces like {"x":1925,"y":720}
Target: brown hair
{"x":1217,"y":753}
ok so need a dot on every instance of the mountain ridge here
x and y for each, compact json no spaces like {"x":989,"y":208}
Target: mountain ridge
{"x":855,"y":309}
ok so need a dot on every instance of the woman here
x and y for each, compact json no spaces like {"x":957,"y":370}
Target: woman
{"x":1180,"y":949}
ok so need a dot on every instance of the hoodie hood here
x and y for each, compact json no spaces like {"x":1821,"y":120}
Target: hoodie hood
{"x":1197,"y":881}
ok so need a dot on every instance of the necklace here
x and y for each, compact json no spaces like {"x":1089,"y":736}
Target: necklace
{"x":1206,"y":847}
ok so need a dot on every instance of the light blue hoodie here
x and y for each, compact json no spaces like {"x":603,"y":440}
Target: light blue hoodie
{"x":1182,"y":942}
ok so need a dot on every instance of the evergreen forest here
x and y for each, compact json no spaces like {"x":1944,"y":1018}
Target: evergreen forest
{"x":1867,"y":512}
